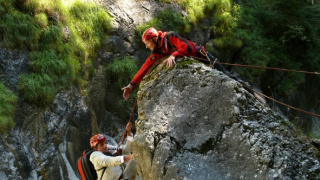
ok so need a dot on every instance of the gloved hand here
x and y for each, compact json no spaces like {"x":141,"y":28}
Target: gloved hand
{"x":126,"y":91}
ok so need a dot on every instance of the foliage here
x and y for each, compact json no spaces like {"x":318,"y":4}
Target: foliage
{"x":224,"y":25}
{"x":173,"y":21}
{"x":194,"y":8}
{"x":91,"y":23}
{"x":166,"y":20}
{"x":38,"y":88}
{"x":284,"y":34}
{"x":8,"y":102}
{"x":120,"y":72}
{"x":42,"y":20}
{"x":279,"y":34}
{"x":62,"y":37}
{"x":18,"y":30}
{"x":223,"y":15}
{"x":51,"y":72}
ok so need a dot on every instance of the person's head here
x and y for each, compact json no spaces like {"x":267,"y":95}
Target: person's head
{"x":150,"y":37}
{"x":98,"y":143}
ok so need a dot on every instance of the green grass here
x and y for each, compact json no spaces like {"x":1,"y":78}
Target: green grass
{"x":194,"y":8}
{"x":18,"y":30}
{"x":224,"y":18}
{"x":8,"y":102}
{"x":38,"y":88}
{"x":119,"y":73}
{"x":62,"y":38}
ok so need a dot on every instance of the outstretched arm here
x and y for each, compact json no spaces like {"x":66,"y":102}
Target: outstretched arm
{"x":140,"y":74}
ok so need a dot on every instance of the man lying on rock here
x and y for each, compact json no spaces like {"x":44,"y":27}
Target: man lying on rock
{"x":170,"y":43}
{"x":108,"y":166}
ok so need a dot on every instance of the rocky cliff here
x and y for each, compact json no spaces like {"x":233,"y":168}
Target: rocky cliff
{"x":46,"y":141}
{"x":196,"y":123}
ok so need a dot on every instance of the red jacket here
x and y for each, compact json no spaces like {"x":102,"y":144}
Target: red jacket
{"x":169,"y":43}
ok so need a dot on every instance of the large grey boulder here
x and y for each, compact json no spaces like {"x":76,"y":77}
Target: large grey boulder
{"x":196,"y":123}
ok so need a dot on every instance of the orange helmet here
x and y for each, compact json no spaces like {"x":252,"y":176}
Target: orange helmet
{"x":149,"y":34}
{"x":98,"y":138}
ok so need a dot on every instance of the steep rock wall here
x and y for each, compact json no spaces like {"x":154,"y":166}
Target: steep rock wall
{"x":196,"y":123}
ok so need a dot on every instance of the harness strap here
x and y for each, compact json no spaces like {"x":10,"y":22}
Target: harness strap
{"x":104,"y":169}
{"x":122,"y":168}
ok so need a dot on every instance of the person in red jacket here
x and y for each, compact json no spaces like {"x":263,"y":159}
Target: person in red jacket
{"x":171,"y":44}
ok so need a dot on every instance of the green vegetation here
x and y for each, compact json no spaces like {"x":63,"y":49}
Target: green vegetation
{"x":8,"y":102}
{"x":62,"y":37}
{"x":223,"y":15}
{"x":196,"y":9}
{"x":283,"y":34}
{"x":119,"y":73}
{"x":19,"y":29}
{"x":280,"y":34}
{"x":165,"y":20}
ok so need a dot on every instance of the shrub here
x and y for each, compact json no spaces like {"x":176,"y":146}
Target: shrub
{"x":8,"y":102}
{"x":62,"y":38}
{"x":91,"y":23}
{"x":37,"y":88}
{"x":173,"y":21}
{"x":119,"y":74}
{"x":18,"y":29}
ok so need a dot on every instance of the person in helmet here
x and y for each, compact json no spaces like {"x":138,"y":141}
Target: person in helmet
{"x":101,"y":158}
{"x":161,"y":44}
{"x":171,"y":44}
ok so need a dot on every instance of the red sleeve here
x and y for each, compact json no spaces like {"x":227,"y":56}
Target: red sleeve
{"x":144,"y":68}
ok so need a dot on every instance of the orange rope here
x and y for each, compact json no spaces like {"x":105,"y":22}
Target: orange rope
{"x":297,"y":109}
{"x":259,"y":67}
{"x":301,"y":110}
{"x":124,"y":134}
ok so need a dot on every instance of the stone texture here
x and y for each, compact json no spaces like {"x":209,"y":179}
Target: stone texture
{"x":196,"y":123}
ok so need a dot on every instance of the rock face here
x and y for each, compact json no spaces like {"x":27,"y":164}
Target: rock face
{"x":196,"y":123}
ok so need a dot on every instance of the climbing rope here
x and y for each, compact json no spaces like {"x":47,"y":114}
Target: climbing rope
{"x":124,"y":134}
{"x":297,"y":109}
{"x":258,"y":67}
{"x":271,"y":68}
{"x":211,"y":64}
